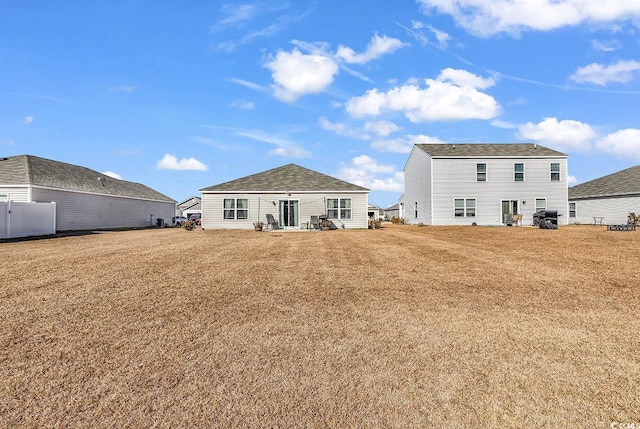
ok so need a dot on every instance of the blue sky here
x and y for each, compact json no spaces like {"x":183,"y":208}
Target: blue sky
{"x":181,"y":95}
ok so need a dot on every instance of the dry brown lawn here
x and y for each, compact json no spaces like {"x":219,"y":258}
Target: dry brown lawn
{"x":401,"y":327}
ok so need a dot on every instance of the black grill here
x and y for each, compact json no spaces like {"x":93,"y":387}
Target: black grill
{"x":546,"y":219}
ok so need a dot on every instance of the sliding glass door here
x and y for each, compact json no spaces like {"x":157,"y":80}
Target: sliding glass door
{"x":289,"y":216}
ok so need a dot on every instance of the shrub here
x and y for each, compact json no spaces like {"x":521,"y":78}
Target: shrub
{"x":189,"y":225}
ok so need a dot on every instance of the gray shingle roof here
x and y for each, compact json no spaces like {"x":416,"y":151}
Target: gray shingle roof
{"x":290,"y":177}
{"x":33,"y":170}
{"x":489,"y":150}
{"x":625,"y":182}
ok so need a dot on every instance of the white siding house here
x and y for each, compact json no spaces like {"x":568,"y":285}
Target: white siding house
{"x":486,"y":184}
{"x":607,"y":200}
{"x":291,"y":194}
{"x":189,"y":207}
{"x":85,"y":199}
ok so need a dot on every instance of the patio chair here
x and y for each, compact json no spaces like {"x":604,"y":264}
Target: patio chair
{"x":272,"y":223}
{"x":314,"y":223}
{"x":517,"y":219}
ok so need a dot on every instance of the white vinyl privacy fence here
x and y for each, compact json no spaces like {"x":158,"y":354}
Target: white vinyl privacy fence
{"x":19,"y":219}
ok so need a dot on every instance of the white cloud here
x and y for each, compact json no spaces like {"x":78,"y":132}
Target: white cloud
{"x":248,"y":84}
{"x":503,"y":124}
{"x":296,"y":74}
{"x":122,"y":88}
{"x":290,"y":152}
{"x":452,"y":96}
{"x":342,"y":129}
{"x":285,"y":148}
{"x":403,"y":145}
{"x":441,"y":36}
{"x":170,"y":162}
{"x":465,"y":78}
{"x":571,"y":179}
{"x":310,"y":67}
{"x":489,"y":17}
{"x":379,"y":46}
{"x":606,"y":45}
{"x":244,"y":23}
{"x":565,"y":135}
{"x":242,"y":104}
{"x":366,"y":171}
{"x":112,"y":174}
{"x":235,"y":15}
{"x":625,"y":143}
{"x":382,"y":128}
{"x":598,"y":74}
{"x":28,"y":120}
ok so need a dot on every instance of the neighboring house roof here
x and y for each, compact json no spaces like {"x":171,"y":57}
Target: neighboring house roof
{"x":36,"y":171}
{"x":503,"y":150}
{"x":625,"y":182}
{"x":190,"y":203}
{"x":290,"y":177}
{"x":195,"y":206}
{"x":393,"y":207}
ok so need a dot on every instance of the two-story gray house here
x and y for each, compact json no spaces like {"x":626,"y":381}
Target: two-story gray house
{"x":485,"y":184}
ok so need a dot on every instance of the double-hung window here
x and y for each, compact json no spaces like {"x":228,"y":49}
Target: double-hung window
{"x":541,"y":204}
{"x":464,"y":207}
{"x":236,"y":209}
{"x":481,"y":172}
{"x":555,"y":171}
{"x":339,"y":208}
{"x":518,"y":172}
{"x":415,"y":210}
{"x":572,"y":209}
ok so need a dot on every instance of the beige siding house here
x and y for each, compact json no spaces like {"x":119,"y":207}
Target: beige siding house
{"x":607,"y":200}
{"x":291,"y":194}
{"x":85,"y":199}
{"x":486,"y":184}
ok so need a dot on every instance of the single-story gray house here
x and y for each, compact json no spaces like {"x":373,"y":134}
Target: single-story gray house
{"x":606,"y":200}
{"x":393,"y":211}
{"x":291,"y":194}
{"x":85,"y":199}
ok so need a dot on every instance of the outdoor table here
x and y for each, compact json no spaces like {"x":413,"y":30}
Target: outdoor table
{"x":597,"y":220}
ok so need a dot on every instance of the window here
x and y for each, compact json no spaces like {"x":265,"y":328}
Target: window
{"x":518,"y":172}
{"x":236,"y":208}
{"x":339,"y":208}
{"x":415,"y":210}
{"x":4,"y":198}
{"x":464,"y":207}
{"x":541,"y":204}
{"x":470,"y":206}
{"x":481,"y":172}
{"x":555,"y":171}
{"x":572,"y":209}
